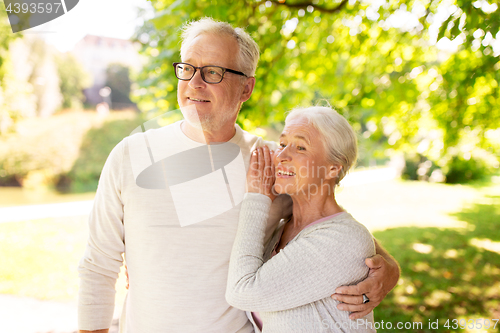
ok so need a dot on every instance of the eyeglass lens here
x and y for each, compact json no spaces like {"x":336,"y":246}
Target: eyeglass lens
{"x":209,"y":74}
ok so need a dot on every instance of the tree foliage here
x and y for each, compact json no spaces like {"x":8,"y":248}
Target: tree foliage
{"x":118,"y":79}
{"x":29,"y":80}
{"x":72,"y":80}
{"x":35,"y":79}
{"x":6,"y":38}
{"x":412,"y":74}
{"x":42,"y":71}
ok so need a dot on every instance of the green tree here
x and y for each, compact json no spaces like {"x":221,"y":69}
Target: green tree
{"x":118,"y":79}
{"x":384,"y":65}
{"x":29,"y":83}
{"x":72,"y":80}
{"x":7,"y":115}
{"x":43,"y":74}
{"x":5,"y":37}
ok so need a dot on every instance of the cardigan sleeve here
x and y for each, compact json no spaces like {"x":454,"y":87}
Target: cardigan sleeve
{"x":308,"y":269}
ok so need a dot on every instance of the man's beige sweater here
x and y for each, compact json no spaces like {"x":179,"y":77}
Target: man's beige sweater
{"x":178,"y":274}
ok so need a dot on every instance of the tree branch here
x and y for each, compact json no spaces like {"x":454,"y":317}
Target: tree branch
{"x":305,"y":4}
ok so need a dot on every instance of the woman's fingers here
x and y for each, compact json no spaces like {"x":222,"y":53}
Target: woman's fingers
{"x":262,"y":162}
{"x":269,"y":173}
{"x":267,"y":161}
{"x":255,"y":164}
{"x":269,"y":176}
{"x":260,"y":178}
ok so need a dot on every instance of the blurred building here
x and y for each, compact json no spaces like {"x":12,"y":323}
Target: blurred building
{"x":96,"y":53}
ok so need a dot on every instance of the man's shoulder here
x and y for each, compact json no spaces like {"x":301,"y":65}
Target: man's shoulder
{"x":253,"y":141}
{"x":140,"y":132}
{"x":155,"y":139}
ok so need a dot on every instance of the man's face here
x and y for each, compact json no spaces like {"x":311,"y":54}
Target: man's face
{"x":216,"y":105}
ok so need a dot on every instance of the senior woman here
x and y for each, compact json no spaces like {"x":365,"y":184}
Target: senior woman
{"x":286,"y":282}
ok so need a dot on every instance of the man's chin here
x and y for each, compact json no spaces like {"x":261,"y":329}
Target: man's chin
{"x":204,"y":124}
{"x":191,"y":114}
{"x":201,"y":119}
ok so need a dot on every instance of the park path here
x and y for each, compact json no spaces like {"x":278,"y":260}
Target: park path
{"x":29,"y":315}
{"x":37,"y":212}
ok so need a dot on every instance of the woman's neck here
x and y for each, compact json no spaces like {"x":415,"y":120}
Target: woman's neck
{"x":307,"y":209}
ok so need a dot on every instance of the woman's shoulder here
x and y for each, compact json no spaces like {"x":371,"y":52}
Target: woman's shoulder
{"x":340,"y":219}
{"x":342,"y":226}
{"x":347,"y":221}
{"x":340,"y":238}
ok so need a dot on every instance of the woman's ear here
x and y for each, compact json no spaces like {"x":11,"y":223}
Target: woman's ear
{"x":334,"y":172}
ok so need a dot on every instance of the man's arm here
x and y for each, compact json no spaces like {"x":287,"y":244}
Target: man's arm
{"x":383,"y":276}
{"x":99,"y":331}
{"x":100,"y":265}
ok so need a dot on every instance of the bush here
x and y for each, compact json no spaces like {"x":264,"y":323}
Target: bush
{"x":461,"y":170}
{"x":411,"y":167}
{"x":42,"y":148}
{"x":95,"y":148}
{"x":65,"y":151}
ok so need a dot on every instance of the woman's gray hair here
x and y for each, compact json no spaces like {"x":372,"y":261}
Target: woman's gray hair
{"x":248,"y":56}
{"x":339,"y":138}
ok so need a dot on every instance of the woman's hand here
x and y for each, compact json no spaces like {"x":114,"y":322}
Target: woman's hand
{"x":261,"y":176}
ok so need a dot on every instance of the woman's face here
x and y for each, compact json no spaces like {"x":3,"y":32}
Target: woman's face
{"x":300,"y":161}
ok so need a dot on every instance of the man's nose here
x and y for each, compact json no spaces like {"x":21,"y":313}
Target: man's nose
{"x":196,"y":81}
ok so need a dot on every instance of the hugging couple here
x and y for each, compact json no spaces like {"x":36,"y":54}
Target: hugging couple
{"x":284,"y":257}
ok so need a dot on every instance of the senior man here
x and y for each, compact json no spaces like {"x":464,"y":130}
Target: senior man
{"x":178,"y":272}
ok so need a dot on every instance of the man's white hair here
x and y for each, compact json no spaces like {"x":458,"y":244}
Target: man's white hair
{"x":248,"y":55}
{"x":339,"y":139}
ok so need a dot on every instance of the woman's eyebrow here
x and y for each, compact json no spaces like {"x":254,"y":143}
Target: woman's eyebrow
{"x":300,"y":137}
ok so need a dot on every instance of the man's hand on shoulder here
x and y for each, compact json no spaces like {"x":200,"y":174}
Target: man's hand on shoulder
{"x":382,"y":277}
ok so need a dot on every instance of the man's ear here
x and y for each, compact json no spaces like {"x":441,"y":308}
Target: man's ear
{"x":333,"y":171}
{"x":248,"y":89}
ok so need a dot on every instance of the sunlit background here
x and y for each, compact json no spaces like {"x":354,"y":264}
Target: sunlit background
{"x":417,"y":79}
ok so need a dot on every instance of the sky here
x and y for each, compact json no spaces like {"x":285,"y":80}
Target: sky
{"x":109,"y":18}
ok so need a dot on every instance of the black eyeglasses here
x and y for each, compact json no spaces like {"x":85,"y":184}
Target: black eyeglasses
{"x":209,"y":74}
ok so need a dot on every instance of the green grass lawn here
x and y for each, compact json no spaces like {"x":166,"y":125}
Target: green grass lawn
{"x":445,"y":237}
{"x":40,"y":258}
{"x":447,"y":241}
